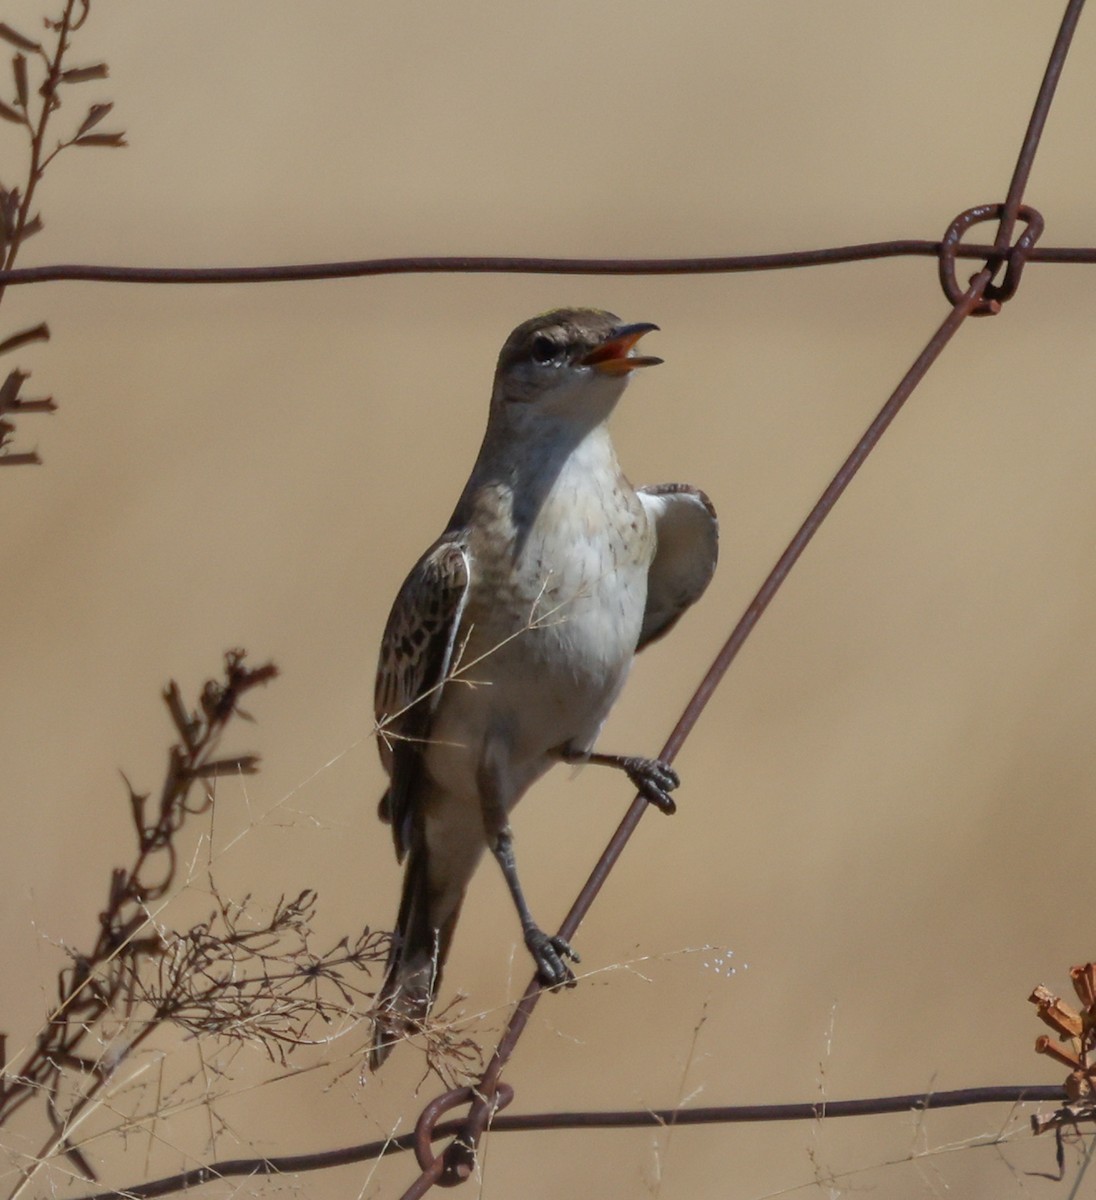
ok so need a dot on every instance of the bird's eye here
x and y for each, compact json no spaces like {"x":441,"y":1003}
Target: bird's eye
{"x":544,"y":350}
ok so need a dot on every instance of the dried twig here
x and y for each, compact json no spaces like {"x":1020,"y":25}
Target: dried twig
{"x":231,"y":978}
{"x":67,"y":1056}
{"x":32,"y":105}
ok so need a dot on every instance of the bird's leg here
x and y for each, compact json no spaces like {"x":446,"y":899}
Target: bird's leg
{"x":653,"y":778}
{"x":548,"y":952}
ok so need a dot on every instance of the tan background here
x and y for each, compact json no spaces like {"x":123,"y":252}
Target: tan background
{"x":885,"y":816}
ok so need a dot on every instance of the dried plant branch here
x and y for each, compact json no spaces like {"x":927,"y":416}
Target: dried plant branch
{"x":1075,"y":1049}
{"x":67,"y":1055}
{"x":260,"y":983}
{"x":32,"y":105}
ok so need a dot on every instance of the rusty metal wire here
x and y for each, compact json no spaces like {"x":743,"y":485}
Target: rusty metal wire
{"x":982,"y":296}
{"x":459,"y":1159}
{"x":507,"y":265}
{"x":430,"y":1129}
{"x":461,"y":1153}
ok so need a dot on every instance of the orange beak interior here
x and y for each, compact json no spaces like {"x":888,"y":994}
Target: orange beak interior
{"x":613,"y":357}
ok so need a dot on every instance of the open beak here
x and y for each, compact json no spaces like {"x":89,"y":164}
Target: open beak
{"x":614,"y":356}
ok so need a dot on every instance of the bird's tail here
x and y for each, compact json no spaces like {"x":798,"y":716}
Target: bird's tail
{"x":420,"y":946}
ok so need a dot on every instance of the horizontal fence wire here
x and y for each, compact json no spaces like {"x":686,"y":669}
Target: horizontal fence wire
{"x":817,"y":1110}
{"x":463,"y":264}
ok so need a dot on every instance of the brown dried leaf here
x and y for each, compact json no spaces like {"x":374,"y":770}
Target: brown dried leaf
{"x":16,"y":39}
{"x":11,"y":114}
{"x":137,"y":802}
{"x":247,"y":764}
{"x":101,"y":139}
{"x":83,"y":74}
{"x":74,"y":1155}
{"x":39,"y":333}
{"x":249,"y":678}
{"x":19,"y":70}
{"x":9,"y":211}
{"x":9,"y":389}
{"x":33,"y":226}
{"x":184,"y":723}
{"x":95,"y":114}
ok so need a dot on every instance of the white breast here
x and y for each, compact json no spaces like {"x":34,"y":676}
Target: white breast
{"x":551,"y":634}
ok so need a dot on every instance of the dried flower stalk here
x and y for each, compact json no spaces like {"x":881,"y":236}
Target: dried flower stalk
{"x":40,"y":85}
{"x":231,"y":977}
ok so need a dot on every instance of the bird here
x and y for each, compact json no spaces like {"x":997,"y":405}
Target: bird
{"x":513,"y":635}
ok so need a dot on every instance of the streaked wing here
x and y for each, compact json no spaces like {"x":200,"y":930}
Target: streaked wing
{"x":416,"y":656}
{"x":684,"y":563}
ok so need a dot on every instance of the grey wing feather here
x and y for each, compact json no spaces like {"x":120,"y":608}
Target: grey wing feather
{"x":685,"y":558}
{"x":416,"y":656}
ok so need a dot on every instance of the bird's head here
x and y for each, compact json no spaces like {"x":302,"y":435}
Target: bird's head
{"x":571,"y":363}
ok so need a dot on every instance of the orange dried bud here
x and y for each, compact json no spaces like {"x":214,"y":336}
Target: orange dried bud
{"x":1060,"y":1017}
{"x":1084,"y":982}
{"x":1044,"y":1045}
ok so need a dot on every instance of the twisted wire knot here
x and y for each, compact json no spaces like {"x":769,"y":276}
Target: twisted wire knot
{"x":450,"y":1171}
{"x":1014,"y":257}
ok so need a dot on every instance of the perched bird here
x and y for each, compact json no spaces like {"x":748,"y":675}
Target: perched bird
{"x":512,"y":637}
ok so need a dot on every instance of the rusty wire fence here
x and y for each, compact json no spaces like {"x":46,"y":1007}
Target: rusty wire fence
{"x":1003,"y":261}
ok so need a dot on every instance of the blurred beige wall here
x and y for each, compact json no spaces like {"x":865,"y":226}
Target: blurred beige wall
{"x":883,"y":817}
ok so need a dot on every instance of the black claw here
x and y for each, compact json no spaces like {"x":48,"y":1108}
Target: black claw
{"x":548,"y":953}
{"x":655,"y":781}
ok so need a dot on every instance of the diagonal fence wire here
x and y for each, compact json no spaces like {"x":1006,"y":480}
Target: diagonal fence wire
{"x":458,"y":1161}
{"x":982,"y":296}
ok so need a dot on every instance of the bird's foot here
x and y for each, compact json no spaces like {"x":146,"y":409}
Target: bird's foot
{"x":549,"y":954}
{"x":654,"y":779}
